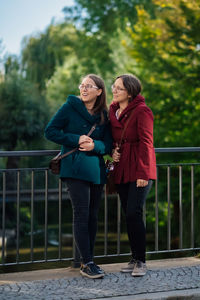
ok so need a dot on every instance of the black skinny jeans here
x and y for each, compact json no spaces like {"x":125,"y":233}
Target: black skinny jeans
{"x":132,"y":200}
{"x":85,"y":197}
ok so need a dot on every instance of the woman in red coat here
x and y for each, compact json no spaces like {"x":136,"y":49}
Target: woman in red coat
{"x":135,"y":162}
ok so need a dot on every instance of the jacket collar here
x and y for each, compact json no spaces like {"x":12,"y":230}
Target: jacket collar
{"x":79,"y":106}
{"x":137,"y":101}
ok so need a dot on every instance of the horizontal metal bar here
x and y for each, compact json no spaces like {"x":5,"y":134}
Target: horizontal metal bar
{"x":173,"y":251}
{"x":25,"y":195}
{"x":28,"y":191}
{"x":150,"y":252}
{"x":54,"y":152}
{"x":29,"y":153}
{"x":24,"y":169}
{"x":44,"y":169}
{"x":36,"y":261}
{"x":99,"y":256}
{"x":178,"y":149}
{"x":178,"y":164}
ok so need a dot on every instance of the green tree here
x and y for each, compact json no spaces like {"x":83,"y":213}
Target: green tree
{"x":166,"y":55}
{"x":41,"y":54}
{"x":64,"y":81}
{"x":101,"y":25}
{"x":66,"y":49}
{"x":105,"y":15}
{"x":23,"y":113}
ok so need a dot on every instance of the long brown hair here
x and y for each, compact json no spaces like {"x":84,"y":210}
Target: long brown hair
{"x":100,"y":104}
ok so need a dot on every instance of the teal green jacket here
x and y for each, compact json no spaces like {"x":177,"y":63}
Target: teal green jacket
{"x":70,"y":122}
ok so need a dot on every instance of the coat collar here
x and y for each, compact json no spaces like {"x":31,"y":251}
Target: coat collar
{"x":138,"y":100}
{"x":79,"y":106}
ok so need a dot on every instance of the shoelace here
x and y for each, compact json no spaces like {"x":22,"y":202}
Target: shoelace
{"x":93,"y":267}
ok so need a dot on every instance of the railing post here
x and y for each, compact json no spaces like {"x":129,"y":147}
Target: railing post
{"x":3,"y":217}
{"x":60,"y":218}
{"x":46,"y":215}
{"x":180,"y":209}
{"x":105,"y":223}
{"x":32,"y":213}
{"x":156,"y":213}
{"x":192,"y":206}
{"x":169,"y":209}
{"x":118,"y":224}
{"x":18,"y":214}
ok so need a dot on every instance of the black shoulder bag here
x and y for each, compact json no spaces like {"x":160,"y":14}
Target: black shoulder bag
{"x":54,"y":164}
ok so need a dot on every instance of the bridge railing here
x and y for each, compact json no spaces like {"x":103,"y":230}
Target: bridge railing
{"x":170,"y":214}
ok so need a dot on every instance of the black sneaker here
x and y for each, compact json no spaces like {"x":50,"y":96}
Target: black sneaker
{"x":99,"y":269}
{"x":91,"y":271}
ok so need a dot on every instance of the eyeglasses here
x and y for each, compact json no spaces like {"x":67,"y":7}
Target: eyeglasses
{"x":87,"y":86}
{"x":117,"y":88}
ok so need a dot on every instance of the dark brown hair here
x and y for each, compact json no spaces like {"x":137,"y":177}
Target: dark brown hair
{"x":100,"y":103}
{"x":132,"y":84}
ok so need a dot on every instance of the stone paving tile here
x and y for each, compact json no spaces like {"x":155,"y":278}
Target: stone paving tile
{"x":113,"y":284}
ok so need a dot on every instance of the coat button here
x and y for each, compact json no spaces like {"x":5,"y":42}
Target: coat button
{"x":125,"y":116}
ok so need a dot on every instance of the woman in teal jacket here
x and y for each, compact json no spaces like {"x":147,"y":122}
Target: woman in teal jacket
{"x":84,"y":171}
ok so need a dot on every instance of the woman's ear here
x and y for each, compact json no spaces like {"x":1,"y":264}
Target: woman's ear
{"x":99,"y":92}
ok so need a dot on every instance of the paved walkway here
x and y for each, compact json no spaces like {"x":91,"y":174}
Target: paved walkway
{"x":166,"y":279}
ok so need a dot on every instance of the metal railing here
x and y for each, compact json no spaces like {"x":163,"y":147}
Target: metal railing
{"x":170,"y":198}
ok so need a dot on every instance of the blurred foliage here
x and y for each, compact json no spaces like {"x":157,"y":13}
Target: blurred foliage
{"x":167,"y":59}
{"x":23,"y":114}
{"x":105,"y":15}
{"x":41,"y":54}
{"x":22,"y":110}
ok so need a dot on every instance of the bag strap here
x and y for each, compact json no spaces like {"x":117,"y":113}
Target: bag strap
{"x":75,"y":149}
{"x":125,"y":127}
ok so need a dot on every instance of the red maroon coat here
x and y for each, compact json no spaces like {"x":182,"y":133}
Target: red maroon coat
{"x":137,"y":159}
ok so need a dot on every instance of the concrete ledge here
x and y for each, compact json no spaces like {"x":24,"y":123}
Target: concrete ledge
{"x":7,"y":278}
{"x":193,"y":294}
{"x":167,"y":279}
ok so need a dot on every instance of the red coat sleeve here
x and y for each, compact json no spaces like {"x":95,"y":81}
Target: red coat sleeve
{"x":145,"y":151}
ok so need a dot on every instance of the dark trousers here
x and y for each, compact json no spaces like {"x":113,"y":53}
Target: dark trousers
{"x":132,"y":201}
{"x":85,"y":197}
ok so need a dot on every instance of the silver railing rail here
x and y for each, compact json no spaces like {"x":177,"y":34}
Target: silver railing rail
{"x":171,"y":182}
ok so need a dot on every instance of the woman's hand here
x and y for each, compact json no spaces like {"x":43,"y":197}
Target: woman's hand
{"x":87,"y":146}
{"x":141,"y":183}
{"x":116,"y":155}
{"x":84,"y":139}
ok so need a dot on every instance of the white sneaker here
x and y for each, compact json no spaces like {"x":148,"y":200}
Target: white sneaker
{"x":140,"y":269}
{"x":129,"y":268}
